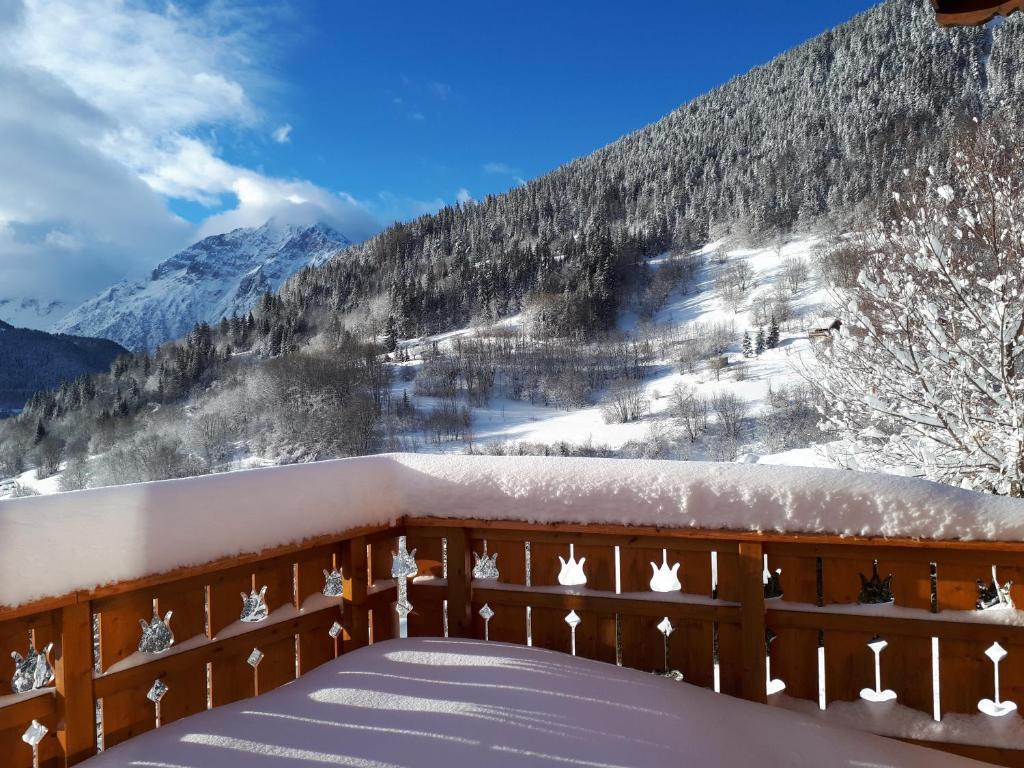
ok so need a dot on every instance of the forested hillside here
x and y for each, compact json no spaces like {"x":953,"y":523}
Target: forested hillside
{"x":34,"y":360}
{"x":817,"y":132}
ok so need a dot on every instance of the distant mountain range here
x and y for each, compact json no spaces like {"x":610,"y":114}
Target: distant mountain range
{"x":31,"y":313}
{"x":214,"y":278}
{"x":33,"y":360}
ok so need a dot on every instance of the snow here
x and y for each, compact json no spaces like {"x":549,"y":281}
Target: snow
{"x":435,"y":702}
{"x":112,"y":534}
{"x":214,"y":278}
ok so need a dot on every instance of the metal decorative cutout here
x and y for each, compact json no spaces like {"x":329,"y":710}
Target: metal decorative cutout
{"x":487,"y":613}
{"x":665,"y":579}
{"x":157,"y":691}
{"x":995,"y":707}
{"x":994,"y":595}
{"x":403,"y":567}
{"x":254,"y":606}
{"x":776,"y":685}
{"x":573,"y":620}
{"x":33,"y":670}
{"x":571,"y":574}
{"x":255,"y":658}
{"x":332,"y":583}
{"x":666,"y":629}
{"x":876,"y":694}
{"x":335,"y":630}
{"x":33,"y":736}
{"x":485,"y":567}
{"x":772,"y":582}
{"x":156,"y":636}
{"x":875,"y":591}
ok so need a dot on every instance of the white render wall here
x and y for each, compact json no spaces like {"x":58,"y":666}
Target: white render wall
{"x":51,"y":545}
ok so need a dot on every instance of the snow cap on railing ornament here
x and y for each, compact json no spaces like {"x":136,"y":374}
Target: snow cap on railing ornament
{"x":333,"y":586}
{"x":665,"y":579}
{"x":254,"y":606}
{"x":994,"y":596}
{"x":156,"y":636}
{"x":33,"y":670}
{"x":571,"y":573}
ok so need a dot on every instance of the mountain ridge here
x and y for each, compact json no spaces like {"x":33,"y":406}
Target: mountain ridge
{"x":216,"y":277}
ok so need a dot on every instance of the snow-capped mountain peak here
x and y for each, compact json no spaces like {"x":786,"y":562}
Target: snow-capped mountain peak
{"x":216,"y":277}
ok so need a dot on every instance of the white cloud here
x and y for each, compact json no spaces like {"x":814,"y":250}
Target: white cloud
{"x":419,"y":117}
{"x":463,"y":196}
{"x":440,"y":90}
{"x":283,"y":133}
{"x":109,"y":110}
{"x":502,"y":169}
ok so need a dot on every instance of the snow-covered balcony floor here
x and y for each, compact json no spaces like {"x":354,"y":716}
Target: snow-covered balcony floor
{"x":428,"y":702}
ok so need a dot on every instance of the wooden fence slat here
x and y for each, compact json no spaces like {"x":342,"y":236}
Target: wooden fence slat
{"x":354,"y":582}
{"x":460,"y":573}
{"x":73,"y":673}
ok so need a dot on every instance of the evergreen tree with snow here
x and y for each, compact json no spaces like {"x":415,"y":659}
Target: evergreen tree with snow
{"x":759,"y":342}
{"x":390,"y":335}
{"x":747,"y":348}
{"x":773,"y":334}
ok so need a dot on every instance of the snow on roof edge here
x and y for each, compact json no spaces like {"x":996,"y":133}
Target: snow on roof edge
{"x":53,"y":545}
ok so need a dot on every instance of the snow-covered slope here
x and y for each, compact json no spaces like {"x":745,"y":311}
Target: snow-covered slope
{"x":214,"y":278}
{"x":27,"y":312}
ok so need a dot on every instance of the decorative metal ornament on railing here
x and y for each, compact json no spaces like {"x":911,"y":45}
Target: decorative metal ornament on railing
{"x":254,"y":658}
{"x":771,"y":686}
{"x":665,"y":579}
{"x":33,"y":736}
{"x":487,"y":613}
{"x":571,"y":573}
{"x":994,"y":596}
{"x":772,"y":582}
{"x":573,"y":620}
{"x":254,"y":606}
{"x":156,"y":636}
{"x":403,"y":567}
{"x":995,"y":707}
{"x":33,"y":670}
{"x":875,"y":591}
{"x":485,"y":567}
{"x":156,"y":694}
{"x":333,"y":585}
{"x":666,"y":629}
{"x":335,"y":630}
{"x":876,"y":694}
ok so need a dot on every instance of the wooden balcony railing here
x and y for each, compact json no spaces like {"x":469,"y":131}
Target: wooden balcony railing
{"x":934,"y":662}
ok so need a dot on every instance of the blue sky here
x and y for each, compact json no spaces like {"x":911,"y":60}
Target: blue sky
{"x":404,"y":104}
{"x":131,"y":128}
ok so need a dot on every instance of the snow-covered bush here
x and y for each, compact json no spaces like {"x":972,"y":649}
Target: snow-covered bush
{"x":625,"y":401}
{"x":928,"y":371}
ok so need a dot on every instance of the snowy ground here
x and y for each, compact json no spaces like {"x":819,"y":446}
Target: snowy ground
{"x":437,"y":702}
{"x":505,"y":420}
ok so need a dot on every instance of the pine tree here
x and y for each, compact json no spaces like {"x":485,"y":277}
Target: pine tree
{"x":773,"y":334}
{"x":391,"y":335}
{"x":747,"y":349}
{"x":40,"y":432}
{"x":759,"y":343}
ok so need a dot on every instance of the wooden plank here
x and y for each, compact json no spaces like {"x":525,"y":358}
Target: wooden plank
{"x":694,"y":571}
{"x":225,"y":601}
{"x":310,"y":579}
{"x":550,"y":630}
{"x":127,"y":713}
{"x":429,"y":553}
{"x":186,"y":692}
{"x":119,"y":625}
{"x":794,"y":656}
{"x":14,"y":638}
{"x":752,"y":621}
{"x":599,"y":565}
{"x":849,"y":665}
{"x":73,"y":674}
{"x":971,"y":13}
{"x":986,"y":633}
{"x":730,"y":659}
{"x":799,"y":577}
{"x":427,"y":617}
{"x":610,"y":604}
{"x":508,"y":625}
{"x":278,"y":664}
{"x":278,"y":577}
{"x":460,"y":573}
{"x":231,"y":677}
{"x":354,"y":583}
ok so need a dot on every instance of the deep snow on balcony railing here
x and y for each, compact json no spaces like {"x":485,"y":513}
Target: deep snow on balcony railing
{"x":53,"y":545}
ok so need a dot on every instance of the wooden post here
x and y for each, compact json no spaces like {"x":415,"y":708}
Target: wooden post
{"x":355,"y":616}
{"x":752,"y":623}
{"x":460,"y":575}
{"x":75,"y":703}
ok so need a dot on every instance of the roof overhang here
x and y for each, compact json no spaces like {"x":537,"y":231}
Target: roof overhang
{"x":968,"y":13}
